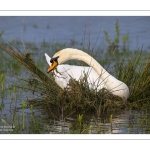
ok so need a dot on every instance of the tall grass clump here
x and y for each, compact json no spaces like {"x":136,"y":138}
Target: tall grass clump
{"x":39,"y":82}
{"x":136,"y":74}
{"x":133,"y":69}
{"x":77,"y":96}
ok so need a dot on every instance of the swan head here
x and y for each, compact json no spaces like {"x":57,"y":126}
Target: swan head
{"x":59,"y":58}
{"x":54,"y":64}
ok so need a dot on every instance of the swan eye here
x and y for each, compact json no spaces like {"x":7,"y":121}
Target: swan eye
{"x":54,"y":59}
{"x":51,"y":61}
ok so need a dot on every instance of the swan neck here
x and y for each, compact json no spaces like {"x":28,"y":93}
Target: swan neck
{"x":91,"y":62}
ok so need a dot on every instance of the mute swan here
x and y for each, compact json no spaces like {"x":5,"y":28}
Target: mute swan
{"x":65,"y":72}
{"x":112,"y":84}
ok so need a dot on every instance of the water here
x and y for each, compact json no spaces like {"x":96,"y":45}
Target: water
{"x":125,"y":122}
{"x":65,"y":29}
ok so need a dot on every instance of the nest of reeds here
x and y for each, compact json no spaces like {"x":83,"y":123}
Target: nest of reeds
{"x":77,"y":97}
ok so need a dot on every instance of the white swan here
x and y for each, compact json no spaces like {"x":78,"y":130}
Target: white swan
{"x":65,"y":72}
{"x":112,"y":84}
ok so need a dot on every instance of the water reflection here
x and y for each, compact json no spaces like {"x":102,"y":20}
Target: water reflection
{"x":128,"y":122}
{"x":55,"y":127}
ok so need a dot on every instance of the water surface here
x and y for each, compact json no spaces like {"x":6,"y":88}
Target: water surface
{"x":63,"y":29}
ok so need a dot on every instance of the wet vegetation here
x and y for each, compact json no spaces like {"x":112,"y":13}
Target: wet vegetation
{"x":27,"y":87}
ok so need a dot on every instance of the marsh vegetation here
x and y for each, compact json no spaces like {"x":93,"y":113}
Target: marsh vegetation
{"x":31,"y":101}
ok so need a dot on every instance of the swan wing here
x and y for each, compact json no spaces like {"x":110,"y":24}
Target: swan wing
{"x":79,"y":72}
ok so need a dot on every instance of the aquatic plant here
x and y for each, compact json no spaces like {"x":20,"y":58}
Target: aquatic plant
{"x":114,"y":43}
{"x":2,"y":81}
{"x":23,"y":107}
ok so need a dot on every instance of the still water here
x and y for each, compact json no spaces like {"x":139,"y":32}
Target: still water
{"x":64,"y":30}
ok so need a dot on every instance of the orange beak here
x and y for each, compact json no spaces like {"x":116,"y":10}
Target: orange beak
{"x":54,"y":65}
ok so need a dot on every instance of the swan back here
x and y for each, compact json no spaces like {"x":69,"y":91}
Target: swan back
{"x":112,"y":84}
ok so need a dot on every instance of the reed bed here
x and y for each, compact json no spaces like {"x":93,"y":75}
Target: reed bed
{"x":77,"y":96}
